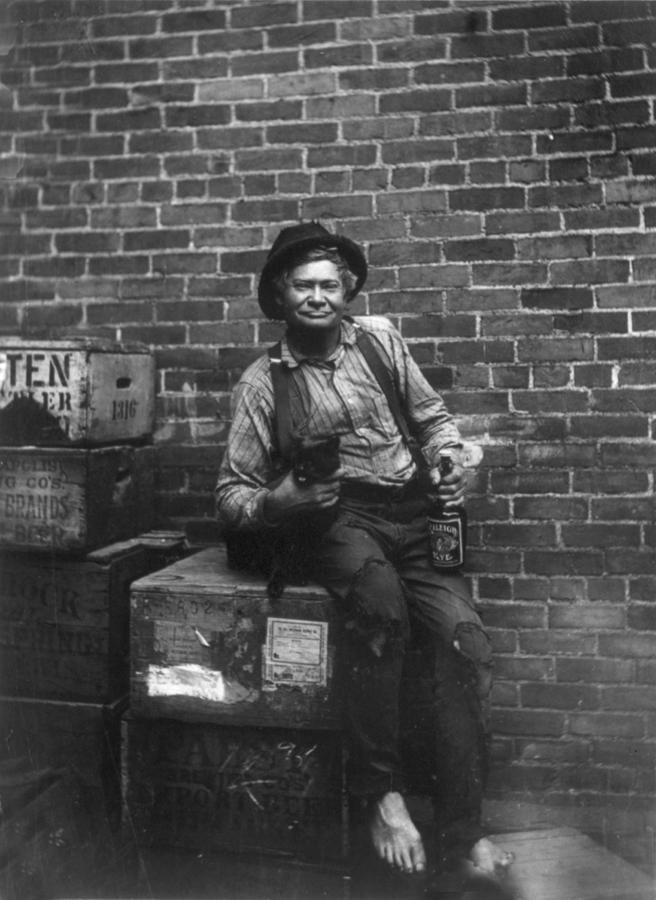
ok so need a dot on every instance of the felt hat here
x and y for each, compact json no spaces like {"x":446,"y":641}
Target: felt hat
{"x":296,"y":240}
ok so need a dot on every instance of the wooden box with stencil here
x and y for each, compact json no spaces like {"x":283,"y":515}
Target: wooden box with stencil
{"x":210,"y":787}
{"x":74,"y":500}
{"x":78,"y":392}
{"x":64,"y":622}
{"x":208,"y":645}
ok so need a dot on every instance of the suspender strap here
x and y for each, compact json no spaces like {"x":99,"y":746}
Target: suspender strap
{"x":280,"y":376}
{"x":388,"y":387}
{"x":384,"y":379}
{"x":281,"y":406}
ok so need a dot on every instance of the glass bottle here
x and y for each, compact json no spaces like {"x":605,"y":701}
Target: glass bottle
{"x":447,"y":527}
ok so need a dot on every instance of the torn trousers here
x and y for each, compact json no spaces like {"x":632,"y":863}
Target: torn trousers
{"x":417,"y":664}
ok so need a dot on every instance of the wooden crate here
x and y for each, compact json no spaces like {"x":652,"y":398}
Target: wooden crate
{"x":82,"y":739}
{"x":64,"y":622}
{"x":209,"y":787}
{"x":74,"y":500}
{"x":207,"y":644}
{"x":74,"y":392}
{"x":60,"y":790}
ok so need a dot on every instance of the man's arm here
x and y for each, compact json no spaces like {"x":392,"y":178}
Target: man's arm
{"x":251,"y":492}
{"x":430,"y":422}
{"x":247,"y":466}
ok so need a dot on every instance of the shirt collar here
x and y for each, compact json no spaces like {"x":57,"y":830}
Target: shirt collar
{"x":347,"y":336}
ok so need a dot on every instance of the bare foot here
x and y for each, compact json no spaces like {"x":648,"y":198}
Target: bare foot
{"x":395,"y":838}
{"x":490,"y":859}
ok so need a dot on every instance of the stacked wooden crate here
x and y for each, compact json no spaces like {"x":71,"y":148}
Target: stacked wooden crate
{"x":76,"y":506}
{"x":233,"y":740}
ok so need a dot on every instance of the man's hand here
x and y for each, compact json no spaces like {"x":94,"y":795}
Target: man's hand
{"x":289,"y":498}
{"x":450,"y":488}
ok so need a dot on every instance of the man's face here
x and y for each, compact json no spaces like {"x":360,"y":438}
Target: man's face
{"x":312,"y":300}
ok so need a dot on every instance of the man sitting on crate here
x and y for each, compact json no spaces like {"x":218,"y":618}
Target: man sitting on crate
{"x":367,"y":521}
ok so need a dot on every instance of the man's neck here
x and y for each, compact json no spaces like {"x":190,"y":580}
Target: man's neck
{"x":316,"y":346}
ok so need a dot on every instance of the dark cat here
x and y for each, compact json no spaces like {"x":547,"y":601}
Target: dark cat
{"x":284,"y":555}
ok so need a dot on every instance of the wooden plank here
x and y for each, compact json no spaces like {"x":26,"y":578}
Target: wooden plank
{"x":55,"y":393}
{"x":563,"y":864}
{"x":209,"y":574}
{"x":74,"y":500}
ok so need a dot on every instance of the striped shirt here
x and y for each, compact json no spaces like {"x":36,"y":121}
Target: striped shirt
{"x":339,"y":395}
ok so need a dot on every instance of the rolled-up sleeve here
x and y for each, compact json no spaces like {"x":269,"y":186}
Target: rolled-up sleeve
{"x":247,"y":466}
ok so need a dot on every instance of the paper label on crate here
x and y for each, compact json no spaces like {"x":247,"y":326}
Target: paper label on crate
{"x":196,"y":681}
{"x":296,"y":652}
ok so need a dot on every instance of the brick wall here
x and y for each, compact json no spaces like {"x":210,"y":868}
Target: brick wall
{"x":497,"y":160}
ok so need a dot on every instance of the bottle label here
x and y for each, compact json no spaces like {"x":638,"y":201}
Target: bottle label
{"x":446,"y":541}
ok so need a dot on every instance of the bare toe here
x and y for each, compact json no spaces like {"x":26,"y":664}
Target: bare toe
{"x":394,"y":835}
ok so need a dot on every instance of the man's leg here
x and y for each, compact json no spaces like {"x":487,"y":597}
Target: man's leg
{"x":459,"y":654}
{"x":353,"y":565}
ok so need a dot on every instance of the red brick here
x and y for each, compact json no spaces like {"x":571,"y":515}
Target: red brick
{"x":552,"y":508}
{"x":263,"y":63}
{"x":617,"y":426}
{"x":540,"y":118}
{"x":487,"y":198}
{"x":523,"y":668}
{"x":156,"y":239}
{"x":196,"y":20}
{"x":309,"y":133}
{"x":229,"y":138}
{"x":528,"y":17}
{"x":594,"y":671}
{"x":642,"y":617}
{"x":372,"y":79}
{"x":269,"y":110}
{"x":528,"y":722}
{"x":479,"y":250}
{"x":302,"y":83}
{"x":264,"y":14}
{"x":533,"y":68}
{"x":194,"y":69}
{"x":521,"y":222}
{"x":416,"y":49}
{"x":184,"y":263}
{"x":606,"y":724}
{"x":446,"y":226}
{"x":491,"y":95}
{"x":494,"y":147}
{"x":558,"y":643}
{"x":619,"y":400}
{"x":515,"y":535}
{"x":53,"y":316}
{"x":87,"y":242}
{"x":160,"y":48}
{"x":559,"y":696}
{"x":512,"y":273}
{"x":447,"y":72}
{"x":421,"y":100}
{"x":595,"y":535}
{"x":556,"y":562}
{"x":340,"y":55}
{"x":477,"y":46}
{"x":132,"y":120}
{"x":562,"y":38}
{"x":300,"y":35}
